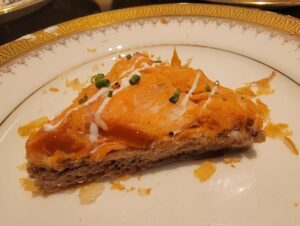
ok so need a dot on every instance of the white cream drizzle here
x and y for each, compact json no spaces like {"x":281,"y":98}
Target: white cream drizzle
{"x":189,"y":94}
{"x":124,"y":84}
{"x":214,"y":90}
{"x":93,"y":132}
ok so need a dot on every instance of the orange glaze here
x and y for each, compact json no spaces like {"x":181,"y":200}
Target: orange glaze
{"x":142,"y":113}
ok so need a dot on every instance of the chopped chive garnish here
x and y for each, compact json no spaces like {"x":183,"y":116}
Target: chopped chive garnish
{"x":83,"y":99}
{"x":102,"y":83}
{"x":134,"y":79}
{"x":128,"y":56}
{"x":173,"y":99}
{"x":157,"y":61}
{"x":207,"y":88}
{"x":96,"y":77}
{"x":217,"y":83}
{"x":110,"y":93}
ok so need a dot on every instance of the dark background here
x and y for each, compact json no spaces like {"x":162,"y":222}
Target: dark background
{"x":58,"y":11}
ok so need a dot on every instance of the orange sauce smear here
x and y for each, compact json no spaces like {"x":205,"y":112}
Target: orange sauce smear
{"x":32,"y":126}
{"x":205,"y":171}
{"x":281,"y":131}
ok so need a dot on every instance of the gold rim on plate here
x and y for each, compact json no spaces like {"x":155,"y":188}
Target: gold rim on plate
{"x":276,"y":21}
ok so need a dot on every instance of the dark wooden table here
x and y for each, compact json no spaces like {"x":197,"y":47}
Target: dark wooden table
{"x":58,"y":11}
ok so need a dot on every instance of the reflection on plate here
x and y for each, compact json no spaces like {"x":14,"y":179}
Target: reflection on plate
{"x":264,"y":187}
{"x":13,"y":9}
{"x":269,"y":3}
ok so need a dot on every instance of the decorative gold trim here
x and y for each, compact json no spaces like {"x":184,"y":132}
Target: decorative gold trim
{"x":279,"y":22}
{"x":258,"y":3}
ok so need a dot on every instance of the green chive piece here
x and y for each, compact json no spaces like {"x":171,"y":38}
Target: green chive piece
{"x":83,"y":99}
{"x":96,"y":77}
{"x":173,"y":99}
{"x":102,"y":83}
{"x":157,"y":61}
{"x":110,"y":93}
{"x":217,"y":83}
{"x":128,"y":56}
{"x":134,"y":79}
{"x":207,"y":88}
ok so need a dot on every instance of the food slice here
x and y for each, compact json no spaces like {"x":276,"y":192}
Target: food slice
{"x":142,"y":114}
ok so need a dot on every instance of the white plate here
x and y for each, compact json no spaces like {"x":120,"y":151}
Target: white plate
{"x":264,"y":189}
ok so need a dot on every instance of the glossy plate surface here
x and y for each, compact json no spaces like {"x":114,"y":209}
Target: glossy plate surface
{"x":263,"y":189}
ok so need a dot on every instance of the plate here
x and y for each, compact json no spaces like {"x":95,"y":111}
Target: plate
{"x":232,"y":45}
{"x":13,"y":9}
{"x":269,"y":3}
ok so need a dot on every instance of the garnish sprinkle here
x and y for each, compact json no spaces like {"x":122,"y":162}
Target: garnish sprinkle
{"x":217,"y":82}
{"x":110,"y":93}
{"x":207,"y":88}
{"x":96,"y":77}
{"x":100,"y":83}
{"x":134,"y":79}
{"x":171,"y":133}
{"x":173,"y":99}
{"x":83,"y":99}
{"x":157,"y":61}
{"x":128,"y":56}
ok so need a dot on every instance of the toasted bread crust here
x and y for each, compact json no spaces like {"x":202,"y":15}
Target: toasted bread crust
{"x":129,"y":161}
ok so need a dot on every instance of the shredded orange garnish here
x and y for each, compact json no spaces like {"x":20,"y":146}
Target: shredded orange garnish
{"x":75,"y":84}
{"x":291,"y":145}
{"x":124,"y":178}
{"x":90,"y":192}
{"x":281,"y":131}
{"x":53,"y":89}
{"x":263,"y":109}
{"x":32,"y":126}
{"x":28,"y":185}
{"x":277,"y":130}
{"x":92,"y":50}
{"x":22,"y":167}
{"x":245,"y":91}
{"x":116,"y":185}
{"x":231,"y":160}
{"x":263,"y":87}
{"x":144,"y":191}
{"x":205,"y":171}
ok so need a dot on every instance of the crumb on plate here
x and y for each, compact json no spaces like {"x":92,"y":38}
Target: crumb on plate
{"x":28,"y":185}
{"x":53,"y":89}
{"x":205,"y":171}
{"x":90,"y":192}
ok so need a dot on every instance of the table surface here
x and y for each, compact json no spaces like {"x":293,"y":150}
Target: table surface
{"x":58,"y":11}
